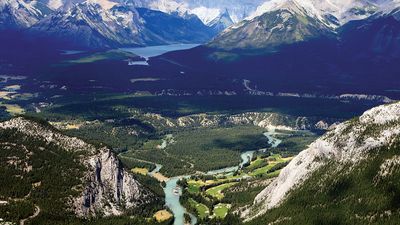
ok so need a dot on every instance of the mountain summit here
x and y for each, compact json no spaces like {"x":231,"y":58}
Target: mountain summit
{"x":278,"y":22}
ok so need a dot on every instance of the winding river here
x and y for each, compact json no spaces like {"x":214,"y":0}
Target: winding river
{"x":173,"y":191}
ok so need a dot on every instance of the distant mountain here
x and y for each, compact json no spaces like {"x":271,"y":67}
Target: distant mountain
{"x":332,"y":13}
{"x":282,"y":22}
{"x":101,"y":23}
{"x":310,"y":59}
{"x":89,"y":24}
{"x":221,"y":22}
{"x":352,"y":171}
{"x":18,"y":14}
{"x":171,"y":28}
{"x":377,"y":36}
{"x":206,"y":10}
{"x":285,"y":25}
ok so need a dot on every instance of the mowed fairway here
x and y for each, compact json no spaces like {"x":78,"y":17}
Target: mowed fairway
{"x":272,"y":161}
{"x":216,"y":192}
{"x":201,"y":209}
{"x":221,"y":210}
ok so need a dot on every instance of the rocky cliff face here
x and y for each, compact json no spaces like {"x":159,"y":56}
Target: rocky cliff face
{"x":348,"y":144}
{"x":109,"y":189}
{"x":19,"y":14}
{"x":261,"y":119}
{"x":106,"y":188}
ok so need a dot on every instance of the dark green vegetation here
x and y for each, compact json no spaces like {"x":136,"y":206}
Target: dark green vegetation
{"x":244,"y":193}
{"x":332,"y":196}
{"x":116,"y":55}
{"x":294,"y":142}
{"x":106,"y":106}
{"x":39,"y":177}
{"x":188,"y":148}
{"x":31,"y":176}
{"x":117,"y":121}
{"x":121,"y":135}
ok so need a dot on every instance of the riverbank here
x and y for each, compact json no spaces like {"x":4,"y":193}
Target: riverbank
{"x":173,"y":191}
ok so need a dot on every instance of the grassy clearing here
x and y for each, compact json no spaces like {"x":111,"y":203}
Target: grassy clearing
{"x":142,"y":171}
{"x":194,"y":186}
{"x":217,"y":191}
{"x":13,"y":109}
{"x":272,"y":161}
{"x":99,"y":56}
{"x":162,"y":215}
{"x":201,"y":209}
{"x":221,"y":210}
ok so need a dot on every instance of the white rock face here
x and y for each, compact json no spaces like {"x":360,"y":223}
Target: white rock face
{"x":107,"y":188}
{"x":110,"y":189}
{"x":349,"y":142}
{"x":388,"y":167}
{"x":264,"y":120}
{"x":50,"y":136}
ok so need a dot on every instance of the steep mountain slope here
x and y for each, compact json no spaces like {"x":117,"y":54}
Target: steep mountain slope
{"x":221,"y":22}
{"x":295,"y":20}
{"x":175,"y":29}
{"x":344,"y":61}
{"x":376,"y":36}
{"x":351,"y":171}
{"x":332,"y":13}
{"x":61,"y":176}
{"x":98,"y":24}
{"x":286,"y":25}
{"x":18,"y":14}
{"x":88,"y":24}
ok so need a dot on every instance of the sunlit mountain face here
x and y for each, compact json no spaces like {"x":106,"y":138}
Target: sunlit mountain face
{"x":201,"y":112}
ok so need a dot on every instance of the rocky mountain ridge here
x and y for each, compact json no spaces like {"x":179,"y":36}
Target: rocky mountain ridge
{"x":265,"y":120}
{"x":348,"y":144}
{"x":106,"y":188}
{"x":298,"y":21}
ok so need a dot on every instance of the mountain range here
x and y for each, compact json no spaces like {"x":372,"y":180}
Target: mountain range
{"x":316,"y":48}
{"x":110,"y":24}
{"x":244,"y":25}
{"x":281,"y":22}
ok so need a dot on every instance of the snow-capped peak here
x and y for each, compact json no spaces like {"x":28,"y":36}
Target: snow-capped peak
{"x":342,"y":10}
{"x":105,"y":4}
{"x":19,"y":13}
{"x":206,"y":14}
{"x":170,"y":6}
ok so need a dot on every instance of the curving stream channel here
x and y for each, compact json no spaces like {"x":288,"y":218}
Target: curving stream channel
{"x":173,"y":191}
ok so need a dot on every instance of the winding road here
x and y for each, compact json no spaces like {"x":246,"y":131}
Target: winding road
{"x":37,"y":211}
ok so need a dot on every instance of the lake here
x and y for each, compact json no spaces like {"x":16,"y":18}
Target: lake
{"x":152,"y":51}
